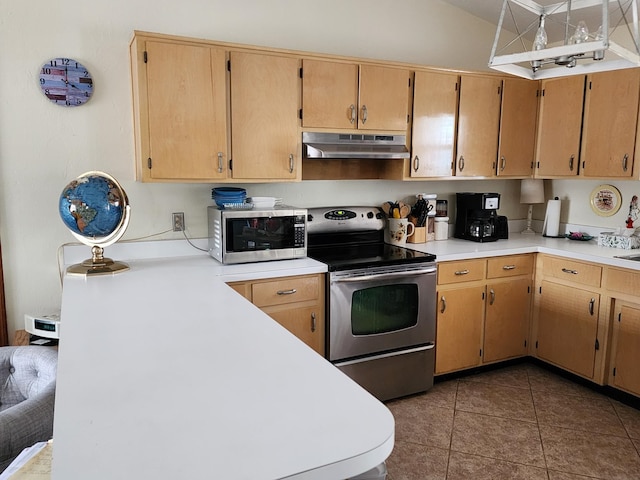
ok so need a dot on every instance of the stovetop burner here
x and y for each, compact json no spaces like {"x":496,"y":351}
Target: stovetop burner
{"x":353,"y":237}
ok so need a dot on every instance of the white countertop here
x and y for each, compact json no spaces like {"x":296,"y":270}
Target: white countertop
{"x":166,"y":373}
{"x":181,"y":377}
{"x":456,"y":249}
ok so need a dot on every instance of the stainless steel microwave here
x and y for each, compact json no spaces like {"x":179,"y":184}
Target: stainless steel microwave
{"x":257,"y":235}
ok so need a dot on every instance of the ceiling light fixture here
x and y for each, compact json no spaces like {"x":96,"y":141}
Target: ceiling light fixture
{"x":532,"y":52}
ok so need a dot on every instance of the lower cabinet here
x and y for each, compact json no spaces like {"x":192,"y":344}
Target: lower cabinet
{"x":484,"y":308}
{"x":625,"y":353}
{"x":568,"y":327}
{"x":296,"y":303}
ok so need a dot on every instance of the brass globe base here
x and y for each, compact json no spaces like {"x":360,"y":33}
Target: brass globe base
{"x":97,"y":265}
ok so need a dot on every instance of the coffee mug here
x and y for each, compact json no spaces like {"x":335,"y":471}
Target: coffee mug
{"x":399,"y":230}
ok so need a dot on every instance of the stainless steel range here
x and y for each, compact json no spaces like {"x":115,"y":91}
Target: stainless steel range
{"x":381,"y":302}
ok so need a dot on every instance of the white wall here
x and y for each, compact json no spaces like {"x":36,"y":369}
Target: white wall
{"x":43,"y":146}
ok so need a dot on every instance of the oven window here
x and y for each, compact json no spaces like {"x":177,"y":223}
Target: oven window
{"x":384,"y":308}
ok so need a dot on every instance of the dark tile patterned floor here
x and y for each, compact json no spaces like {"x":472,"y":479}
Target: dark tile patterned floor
{"x":514,"y":423}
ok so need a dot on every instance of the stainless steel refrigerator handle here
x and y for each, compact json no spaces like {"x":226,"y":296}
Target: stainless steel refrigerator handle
{"x":429,"y":346}
{"x":382,"y":276}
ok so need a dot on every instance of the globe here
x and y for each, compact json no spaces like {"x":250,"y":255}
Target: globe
{"x":95,"y":209}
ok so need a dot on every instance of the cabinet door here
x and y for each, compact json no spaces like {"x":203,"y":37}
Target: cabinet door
{"x":306,"y":323}
{"x":459,"y":328}
{"x":329,"y":94}
{"x":435,"y":104}
{"x":559,"y":126}
{"x":478,"y":124}
{"x":265,"y":93}
{"x":518,"y":127}
{"x":610,"y":123}
{"x":506,"y":323}
{"x":567,"y":327}
{"x":384,"y":98}
{"x":626,"y":348}
{"x":186,"y":112}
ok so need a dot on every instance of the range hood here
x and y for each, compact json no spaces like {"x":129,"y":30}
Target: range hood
{"x":341,"y":145}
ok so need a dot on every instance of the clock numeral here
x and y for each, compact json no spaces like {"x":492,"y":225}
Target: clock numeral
{"x":47,"y":71}
{"x":65,"y":61}
{"x":42,"y":81}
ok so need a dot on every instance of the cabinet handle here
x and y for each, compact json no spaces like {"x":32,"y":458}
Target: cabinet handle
{"x":364,"y":114}
{"x":503,"y":163}
{"x":492,"y":293}
{"x":416,"y":163}
{"x":443,"y":303}
{"x":313,"y":321}
{"x":572,"y":272}
{"x":219,"y":162}
{"x":508,"y":267}
{"x":286,"y":292}
{"x":461,"y":163}
{"x":625,"y":160}
{"x":461,"y":272}
{"x":591,"y":306}
{"x":571,"y":162}
{"x":353,"y":113}
{"x":291,"y":163}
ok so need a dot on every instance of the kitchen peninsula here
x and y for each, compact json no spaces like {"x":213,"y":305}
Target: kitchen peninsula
{"x":165,"y":372}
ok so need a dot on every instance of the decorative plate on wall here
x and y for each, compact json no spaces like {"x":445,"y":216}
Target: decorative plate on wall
{"x":605,"y":200}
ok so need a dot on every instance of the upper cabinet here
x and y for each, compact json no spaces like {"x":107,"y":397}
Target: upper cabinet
{"x":184,"y":93}
{"x":588,"y":124}
{"x":610,"y":123}
{"x":517,"y":128}
{"x":455,"y":125}
{"x":350,"y":96}
{"x":265,"y":100}
{"x":180,"y":110}
{"x":478,"y":125}
{"x":435,"y":108}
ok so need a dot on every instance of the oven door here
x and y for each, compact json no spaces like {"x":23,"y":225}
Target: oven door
{"x":381,"y":309}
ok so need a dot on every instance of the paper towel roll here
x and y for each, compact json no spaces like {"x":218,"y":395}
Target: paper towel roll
{"x":551,"y":226}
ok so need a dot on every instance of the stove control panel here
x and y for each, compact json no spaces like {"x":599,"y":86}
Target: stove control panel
{"x":344,"y":219}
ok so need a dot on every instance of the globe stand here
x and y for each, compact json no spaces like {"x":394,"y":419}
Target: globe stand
{"x":97,"y":265}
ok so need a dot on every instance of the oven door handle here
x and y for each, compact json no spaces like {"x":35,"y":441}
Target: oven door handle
{"x":382,"y":276}
{"x":429,"y":346}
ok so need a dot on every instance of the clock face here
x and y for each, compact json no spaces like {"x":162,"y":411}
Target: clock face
{"x":66,"y":82}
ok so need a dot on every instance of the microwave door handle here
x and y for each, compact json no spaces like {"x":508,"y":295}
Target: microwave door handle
{"x":382,"y":276}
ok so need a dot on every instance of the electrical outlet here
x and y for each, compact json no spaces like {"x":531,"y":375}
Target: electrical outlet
{"x":178,"y":222}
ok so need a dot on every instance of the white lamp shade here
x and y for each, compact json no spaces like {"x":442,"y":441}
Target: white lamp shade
{"x":532,"y":191}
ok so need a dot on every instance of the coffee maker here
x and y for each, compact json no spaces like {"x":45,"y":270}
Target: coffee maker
{"x":477,"y":218}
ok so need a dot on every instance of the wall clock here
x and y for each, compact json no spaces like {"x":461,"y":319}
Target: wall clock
{"x":66,"y":82}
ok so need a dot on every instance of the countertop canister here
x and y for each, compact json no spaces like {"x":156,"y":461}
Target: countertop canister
{"x":442,"y":228}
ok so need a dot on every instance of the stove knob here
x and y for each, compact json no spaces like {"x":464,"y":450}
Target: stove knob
{"x":369,"y":215}
{"x":309,"y":217}
{"x":379,"y":215}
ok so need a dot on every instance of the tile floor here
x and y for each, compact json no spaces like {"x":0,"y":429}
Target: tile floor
{"x":513,"y":423}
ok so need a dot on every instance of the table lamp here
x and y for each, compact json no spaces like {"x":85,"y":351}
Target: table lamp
{"x":531,"y":191}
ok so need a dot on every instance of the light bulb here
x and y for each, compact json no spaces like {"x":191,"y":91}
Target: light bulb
{"x":581,"y":34}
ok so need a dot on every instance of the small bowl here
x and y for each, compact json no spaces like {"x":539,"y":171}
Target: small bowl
{"x":263,"y":202}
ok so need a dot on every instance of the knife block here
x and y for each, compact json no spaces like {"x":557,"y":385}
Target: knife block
{"x":419,"y":235}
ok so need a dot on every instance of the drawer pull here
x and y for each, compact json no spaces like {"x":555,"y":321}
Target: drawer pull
{"x":493,"y":296}
{"x":286,"y":292}
{"x":443,"y":303}
{"x":568,"y":270}
{"x":509,"y":267}
{"x":220,"y":163}
{"x":462,"y":272}
{"x":352,"y":107}
{"x":416,"y":163}
{"x":291,"y":163}
{"x":313,"y":321}
{"x":591,"y":306}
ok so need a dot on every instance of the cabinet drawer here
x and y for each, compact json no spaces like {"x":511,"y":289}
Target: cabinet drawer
{"x":461,"y":271}
{"x":572,"y":270}
{"x":623,"y":281}
{"x":285,"y":290}
{"x":509,"y":266}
